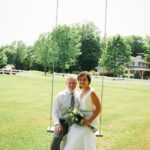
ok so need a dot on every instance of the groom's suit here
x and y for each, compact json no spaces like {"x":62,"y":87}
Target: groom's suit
{"x":64,"y":100}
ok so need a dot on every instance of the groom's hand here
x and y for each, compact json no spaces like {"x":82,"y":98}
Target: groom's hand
{"x":58,"y":129}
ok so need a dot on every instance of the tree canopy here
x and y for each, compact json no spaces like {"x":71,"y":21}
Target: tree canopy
{"x":66,"y":46}
{"x":117,"y":55}
{"x":90,"y":47}
{"x":75,"y":48}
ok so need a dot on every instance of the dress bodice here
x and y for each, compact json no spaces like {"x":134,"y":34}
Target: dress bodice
{"x":87,"y":107}
{"x":86,"y":102}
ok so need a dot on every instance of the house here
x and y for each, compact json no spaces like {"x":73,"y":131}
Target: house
{"x":139,"y":66}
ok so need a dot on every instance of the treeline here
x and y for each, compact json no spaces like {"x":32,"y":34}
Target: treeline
{"x":70,"y":48}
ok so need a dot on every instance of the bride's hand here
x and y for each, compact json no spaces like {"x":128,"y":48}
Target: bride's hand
{"x":86,"y":122}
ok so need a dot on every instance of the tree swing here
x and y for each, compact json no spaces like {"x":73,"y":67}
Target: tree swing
{"x":50,"y":127}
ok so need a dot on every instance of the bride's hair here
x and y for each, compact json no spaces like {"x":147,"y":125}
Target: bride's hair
{"x":84,"y":73}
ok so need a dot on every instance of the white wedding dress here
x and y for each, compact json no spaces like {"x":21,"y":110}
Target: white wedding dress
{"x":82,"y":137}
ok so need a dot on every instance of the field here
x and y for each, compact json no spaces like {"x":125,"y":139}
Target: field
{"x":25,"y":112}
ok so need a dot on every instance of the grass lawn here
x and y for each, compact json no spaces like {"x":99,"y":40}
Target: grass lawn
{"x":25,"y":107}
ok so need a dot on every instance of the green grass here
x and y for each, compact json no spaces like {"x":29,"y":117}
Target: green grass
{"x":25,"y":107}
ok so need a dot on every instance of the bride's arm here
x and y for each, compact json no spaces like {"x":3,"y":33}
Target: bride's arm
{"x":97,"y":110}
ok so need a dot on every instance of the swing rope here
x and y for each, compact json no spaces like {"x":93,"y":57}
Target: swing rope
{"x":105,"y":27}
{"x":50,"y":128}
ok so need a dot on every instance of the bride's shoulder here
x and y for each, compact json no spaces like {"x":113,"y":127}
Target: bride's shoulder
{"x":92,"y":90}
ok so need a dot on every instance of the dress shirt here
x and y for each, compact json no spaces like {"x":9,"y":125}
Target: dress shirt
{"x":62,"y":102}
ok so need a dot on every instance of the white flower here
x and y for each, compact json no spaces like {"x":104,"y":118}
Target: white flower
{"x":76,"y":119}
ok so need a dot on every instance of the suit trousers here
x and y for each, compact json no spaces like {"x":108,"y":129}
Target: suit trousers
{"x":57,"y":138}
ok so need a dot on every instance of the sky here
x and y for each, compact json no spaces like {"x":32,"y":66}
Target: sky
{"x":26,"y":19}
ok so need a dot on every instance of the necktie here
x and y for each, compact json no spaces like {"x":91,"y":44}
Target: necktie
{"x":72,"y":100}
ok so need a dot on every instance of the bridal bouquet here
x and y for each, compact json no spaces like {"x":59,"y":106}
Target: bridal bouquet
{"x":73,"y":115}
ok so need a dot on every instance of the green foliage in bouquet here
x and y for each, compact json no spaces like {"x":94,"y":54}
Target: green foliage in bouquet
{"x":73,"y":115}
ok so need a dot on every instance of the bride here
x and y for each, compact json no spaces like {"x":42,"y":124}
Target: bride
{"x":82,"y":137}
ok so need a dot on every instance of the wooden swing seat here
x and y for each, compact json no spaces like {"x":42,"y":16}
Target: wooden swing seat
{"x":97,"y":133}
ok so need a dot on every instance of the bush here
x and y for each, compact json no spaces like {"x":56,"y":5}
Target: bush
{"x":137,"y":75}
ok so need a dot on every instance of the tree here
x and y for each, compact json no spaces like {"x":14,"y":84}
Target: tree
{"x":66,"y":46}
{"x":3,"y":58}
{"x":90,"y":47}
{"x":10,"y":53}
{"x":16,"y":53}
{"x":29,"y":60}
{"x":42,"y":50}
{"x":136,"y":43}
{"x":20,"y":53}
{"x":147,"y":48}
{"x":117,"y":56}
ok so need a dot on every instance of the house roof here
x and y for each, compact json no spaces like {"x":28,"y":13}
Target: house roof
{"x":139,"y":60}
{"x":139,"y":69}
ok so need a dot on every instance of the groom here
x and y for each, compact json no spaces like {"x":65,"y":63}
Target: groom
{"x":65,"y":99}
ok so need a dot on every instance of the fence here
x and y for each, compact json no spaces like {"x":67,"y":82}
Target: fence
{"x":11,"y":71}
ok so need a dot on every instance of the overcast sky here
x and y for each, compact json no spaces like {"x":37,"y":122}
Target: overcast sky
{"x":27,"y":19}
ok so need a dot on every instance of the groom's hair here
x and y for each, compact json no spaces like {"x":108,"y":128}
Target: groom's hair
{"x":84,"y":73}
{"x":71,"y":76}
